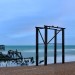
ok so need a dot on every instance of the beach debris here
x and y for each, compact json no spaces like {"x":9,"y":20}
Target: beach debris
{"x":26,"y":61}
{"x":41,"y":61}
{"x":15,"y":54}
{"x":15,"y":57}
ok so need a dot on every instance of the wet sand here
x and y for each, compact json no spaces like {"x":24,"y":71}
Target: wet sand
{"x":52,"y":69}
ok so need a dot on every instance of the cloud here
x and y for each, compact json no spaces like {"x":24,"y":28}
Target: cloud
{"x":22,"y":34}
{"x":18,"y":18}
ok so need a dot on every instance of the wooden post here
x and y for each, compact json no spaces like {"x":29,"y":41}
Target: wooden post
{"x":63,"y":43}
{"x":36,"y":46}
{"x":45,"y":52}
{"x":55,"y":46}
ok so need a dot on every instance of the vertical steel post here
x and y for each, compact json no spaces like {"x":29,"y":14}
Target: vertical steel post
{"x":45,"y":52}
{"x":55,"y":46}
{"x":36,"y":46}
{"x":63,"y":44}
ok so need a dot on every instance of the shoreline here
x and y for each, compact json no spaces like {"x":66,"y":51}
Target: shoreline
{"x":67,"y":68}
{"x":68,"y":58}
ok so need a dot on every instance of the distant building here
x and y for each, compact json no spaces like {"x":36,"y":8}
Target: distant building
{"x":2,"y":47}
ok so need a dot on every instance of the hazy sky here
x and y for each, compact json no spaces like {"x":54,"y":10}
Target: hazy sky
{"x":18,"y":19}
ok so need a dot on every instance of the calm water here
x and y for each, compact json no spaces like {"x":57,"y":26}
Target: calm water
{"x":30,"y":50}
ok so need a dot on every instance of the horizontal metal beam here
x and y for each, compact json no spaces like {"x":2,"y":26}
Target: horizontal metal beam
{"x":51,"y":27}
{"x":40,"y":27}
{"x":55,"y":29}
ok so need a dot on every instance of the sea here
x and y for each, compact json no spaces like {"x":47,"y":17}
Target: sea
{"x":30,"y":51}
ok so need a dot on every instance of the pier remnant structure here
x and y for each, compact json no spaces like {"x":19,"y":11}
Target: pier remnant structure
{"x":2,"y":47}
{"x":46,"y":42}
{"x":16,"y":57}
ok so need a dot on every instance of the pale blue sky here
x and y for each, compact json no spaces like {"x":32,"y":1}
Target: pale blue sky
{"x":18,"y":19}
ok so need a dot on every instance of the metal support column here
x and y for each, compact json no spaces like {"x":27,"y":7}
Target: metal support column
{"x":45,"y":40}
{"x":55,"y":46}
{"x":37,"y":46}
{"x":45,"y":52}
{"x":63,"y":43}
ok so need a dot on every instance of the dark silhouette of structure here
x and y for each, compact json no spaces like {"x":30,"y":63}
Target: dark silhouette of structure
{"x":46,"y":42}
{"x":12,"y":55}
{"x":2,"y":47}
{"x":16,"y":57}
